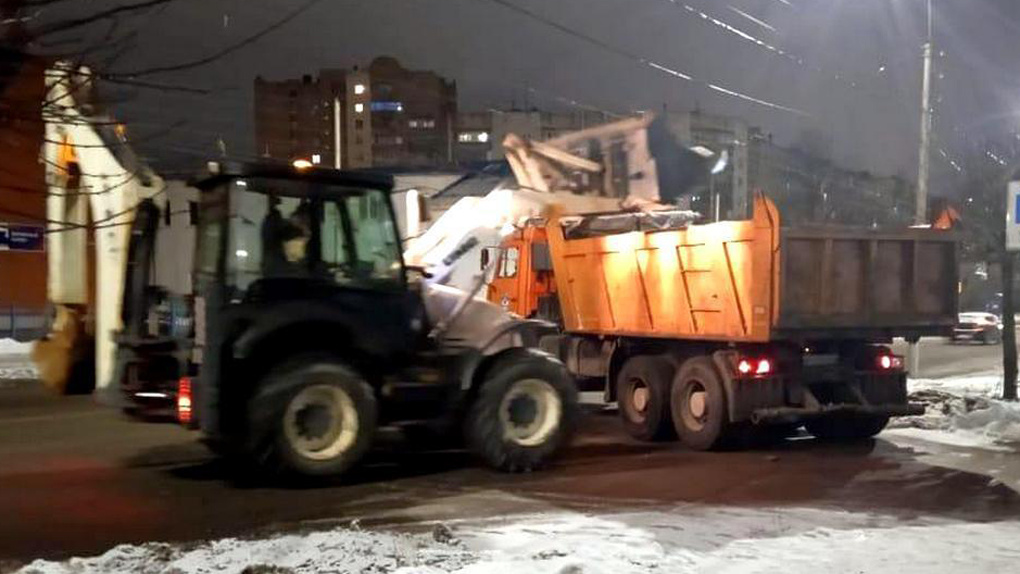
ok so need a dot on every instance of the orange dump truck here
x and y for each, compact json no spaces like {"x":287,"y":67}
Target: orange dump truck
{"x":713,"y":330}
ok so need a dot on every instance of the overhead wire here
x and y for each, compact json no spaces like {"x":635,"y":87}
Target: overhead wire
{"x":647,"y":62}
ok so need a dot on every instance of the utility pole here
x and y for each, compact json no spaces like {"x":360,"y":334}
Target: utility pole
{"x":924,"y":161}
{"x":923,"y":170}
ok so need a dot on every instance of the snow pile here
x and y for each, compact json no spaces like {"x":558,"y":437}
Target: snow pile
{"x":341,"y":551}
{"x":683,"y":539}
{"x":962,"y":412}
{"x":15,"y":362}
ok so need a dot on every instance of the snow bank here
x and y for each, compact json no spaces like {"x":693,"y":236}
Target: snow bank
{"x":961,"y":412}
{"x":341,"y":551}
{"x":683,"y":539}
{"x":15,"y":362}
{"x":14,"y":348}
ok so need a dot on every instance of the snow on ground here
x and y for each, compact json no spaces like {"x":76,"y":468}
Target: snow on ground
{"x":961,"y":411}
{"x":681,"y":539}
{"x":14,"y":360}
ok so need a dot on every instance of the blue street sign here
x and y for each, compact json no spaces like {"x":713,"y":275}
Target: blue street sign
{"x":20,"y":237}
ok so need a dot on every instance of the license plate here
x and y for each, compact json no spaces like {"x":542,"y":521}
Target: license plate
{"x":821,"y":360}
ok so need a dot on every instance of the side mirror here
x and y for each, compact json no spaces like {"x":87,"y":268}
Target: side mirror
{"x":485,"y":258}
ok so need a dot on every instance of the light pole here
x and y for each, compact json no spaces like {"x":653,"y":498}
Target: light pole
{"x":924,"y":163}
{"x":924,"y":160}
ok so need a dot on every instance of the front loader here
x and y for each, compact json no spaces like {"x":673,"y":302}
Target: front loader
{"x":310,"y":333}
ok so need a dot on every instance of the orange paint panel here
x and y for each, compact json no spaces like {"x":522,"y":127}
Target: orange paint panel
{"x":664,"y":291}
{"x":590,"y":311}
{"x":625,"y":292}
{"x":711,"y":281}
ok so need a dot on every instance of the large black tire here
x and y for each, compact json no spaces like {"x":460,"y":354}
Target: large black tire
{"x":846,"y":428}
{"x":698,"y":404}
{"x":312,"y":416}
{"x":642,"y":393}
{"x":524,"y":412}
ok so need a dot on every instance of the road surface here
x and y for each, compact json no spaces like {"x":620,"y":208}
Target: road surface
{"x":77,"y":479}
{"x":940,"y":358}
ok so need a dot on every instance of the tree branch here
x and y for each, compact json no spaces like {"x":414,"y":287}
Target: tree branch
{"x":97,"y":17}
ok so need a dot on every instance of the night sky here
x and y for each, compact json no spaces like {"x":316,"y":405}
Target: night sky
{"x":870,"y":111}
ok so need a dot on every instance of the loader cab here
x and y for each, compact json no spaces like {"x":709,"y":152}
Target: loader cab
{"x":290,"y":261}
{"x":261,"y":227}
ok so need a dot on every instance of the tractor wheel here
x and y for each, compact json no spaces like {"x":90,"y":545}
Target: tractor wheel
{"x":642,"y":392}
{"x":846,"y":428}
{"x":525,"y":411}
{"x":698,"y":404}
{"x":311,"y":417}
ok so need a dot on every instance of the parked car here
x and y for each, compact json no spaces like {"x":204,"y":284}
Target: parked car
{"x":981,"y":327}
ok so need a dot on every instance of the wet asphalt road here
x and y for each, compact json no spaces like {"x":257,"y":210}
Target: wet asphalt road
{"x":77,"y":479}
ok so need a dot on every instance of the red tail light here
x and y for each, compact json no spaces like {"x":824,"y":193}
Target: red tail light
{"x":184,"y":410}
{"x":756,"y":366}
{"x":889,"y":362}
{"x":745,"y":367}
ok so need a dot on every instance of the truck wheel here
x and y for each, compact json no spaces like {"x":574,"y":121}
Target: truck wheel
{"x":698,"y":404}
{"x":846,"y":428}
{"x":642,"y":392}
{"x":311,"y":417}
{"x":524,"y":413}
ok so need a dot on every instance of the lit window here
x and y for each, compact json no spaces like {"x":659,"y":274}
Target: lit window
{"x":359,"y":89}
{"x":473,"y":137}
{"x":316,"y":158}
{"x":413,"y":124}
{"x":359,"y":108}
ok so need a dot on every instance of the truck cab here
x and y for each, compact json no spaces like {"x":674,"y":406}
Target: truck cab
{"x":311,"y":332}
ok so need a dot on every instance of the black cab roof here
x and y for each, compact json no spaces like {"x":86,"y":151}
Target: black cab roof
{"x":218,"y":172}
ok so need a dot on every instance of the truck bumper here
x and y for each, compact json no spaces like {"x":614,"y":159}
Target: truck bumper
{"x":796,"y":414}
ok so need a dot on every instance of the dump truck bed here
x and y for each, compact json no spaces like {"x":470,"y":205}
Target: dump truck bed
{"x":753,"y":281}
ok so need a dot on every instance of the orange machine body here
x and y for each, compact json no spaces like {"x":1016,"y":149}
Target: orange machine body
{"x":713,"y":281}
{"x":735,"y":281}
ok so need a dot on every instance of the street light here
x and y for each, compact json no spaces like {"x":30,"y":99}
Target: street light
{"x":721,"y":162}
{"x":719,"y":167}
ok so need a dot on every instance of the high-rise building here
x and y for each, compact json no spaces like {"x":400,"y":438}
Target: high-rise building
{"x":480,"y":134}
{"x":382,"y":115}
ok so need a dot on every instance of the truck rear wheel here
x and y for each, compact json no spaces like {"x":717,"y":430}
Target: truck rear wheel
{"x":524,"y":413}
{"x":846,"y":428}
{"x":311,"y":417}
{"x":698,"y":404}
{"x":642,"y":392}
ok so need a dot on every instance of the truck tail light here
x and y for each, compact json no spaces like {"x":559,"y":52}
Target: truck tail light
{"x":184,"y":404}
{"x":886,"y":362}
{"x":745,"y":367}
{"x":756,"y":366}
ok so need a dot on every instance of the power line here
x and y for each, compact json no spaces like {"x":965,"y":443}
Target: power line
{"x":640,"y":59}
{"x":222,"y":52}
